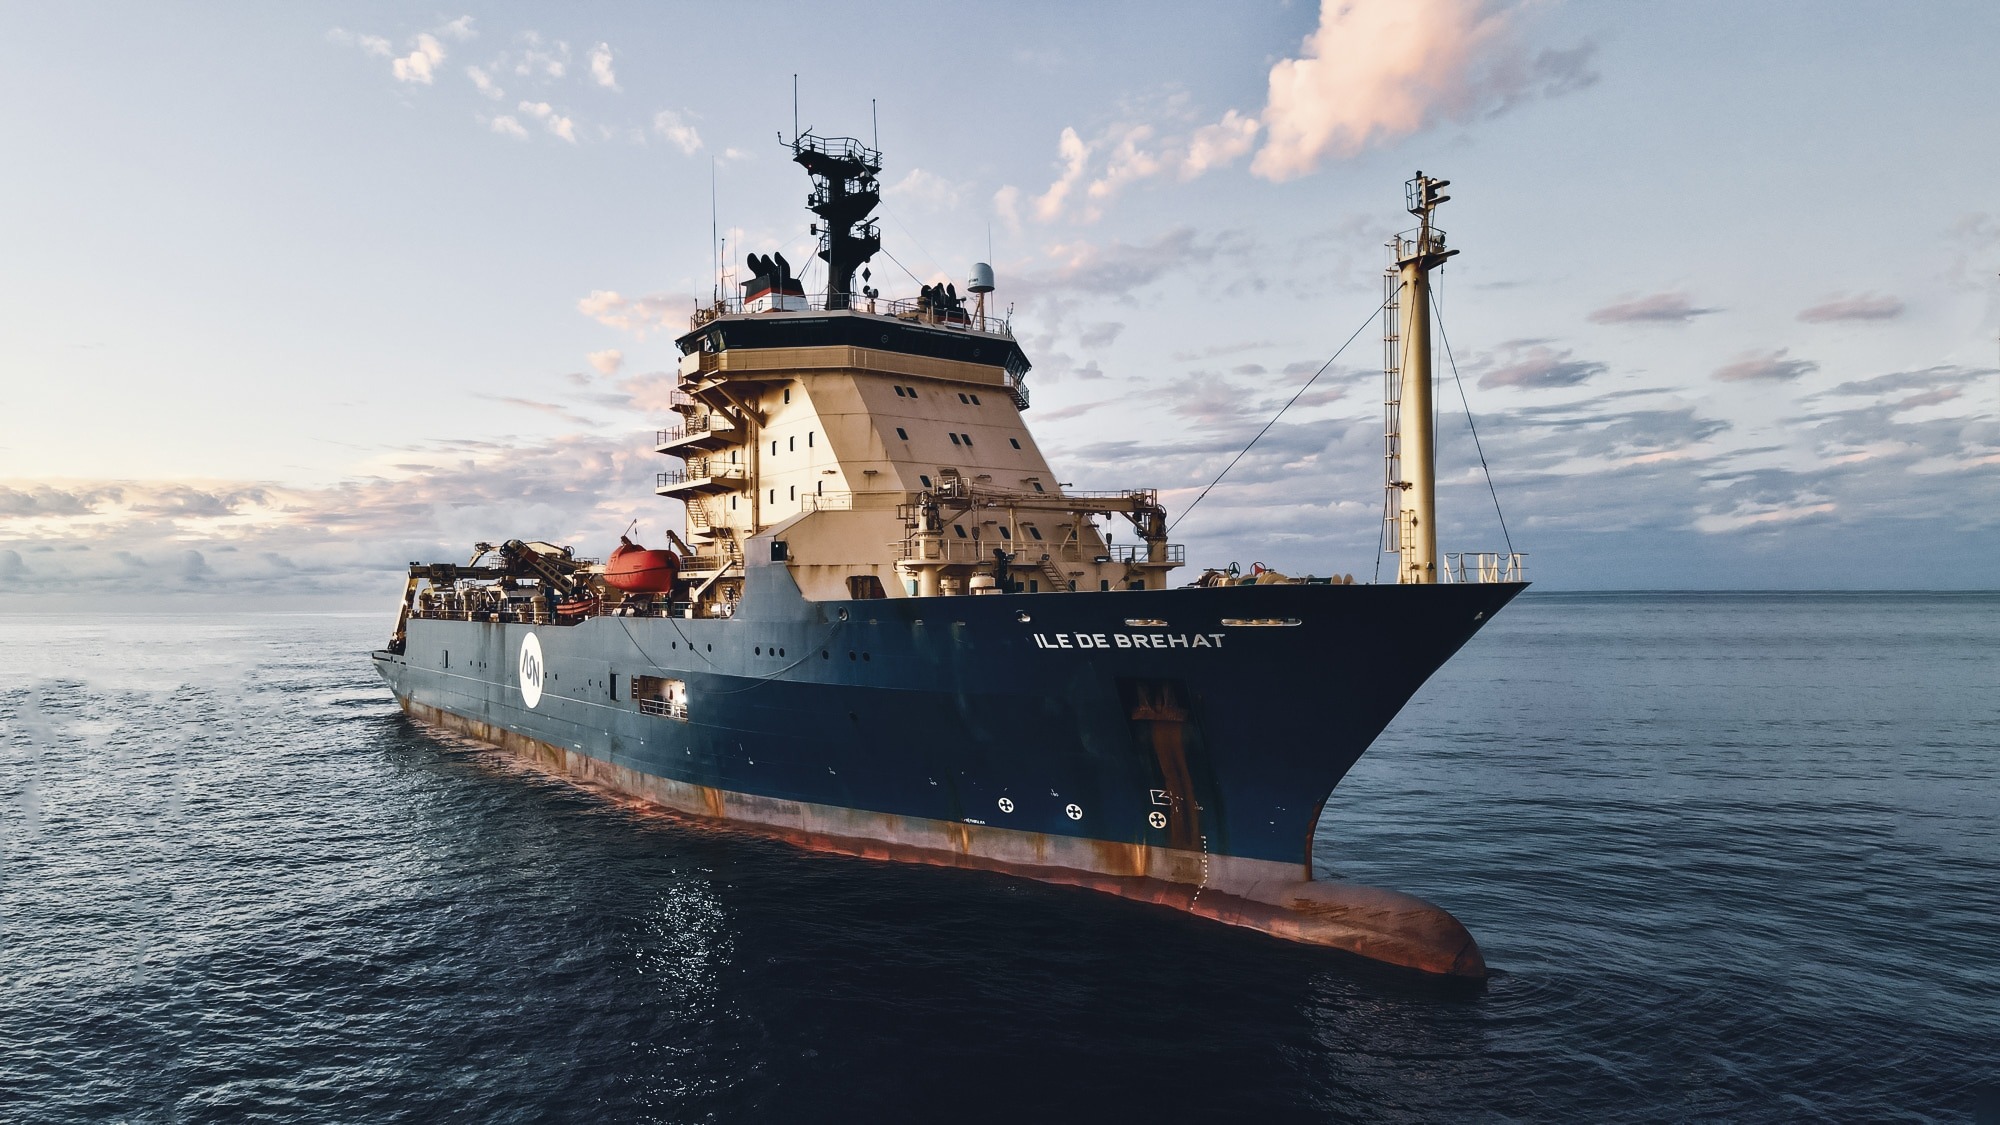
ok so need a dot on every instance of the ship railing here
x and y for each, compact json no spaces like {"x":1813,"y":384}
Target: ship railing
{"x":1484,"y":566}
{"x":852,"y":501}
{"x":699,"y":424}
{"x":838,"y":148}
{"x":663,"y":707}
{"x":1174,"y":555}
{"x":911,"y":309}
{"x":1406,"y":244}
{"x":698,"y":470}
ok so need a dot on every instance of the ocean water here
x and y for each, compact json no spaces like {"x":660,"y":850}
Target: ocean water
{"x":1731,"y":857}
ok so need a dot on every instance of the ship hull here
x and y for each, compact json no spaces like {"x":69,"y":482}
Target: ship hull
{"x":1170,"y":746}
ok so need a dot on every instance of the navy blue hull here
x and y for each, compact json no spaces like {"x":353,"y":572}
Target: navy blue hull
{"x":1189,"y":729}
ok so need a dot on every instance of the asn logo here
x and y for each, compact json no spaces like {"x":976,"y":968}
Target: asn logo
{"x":531,"y":669}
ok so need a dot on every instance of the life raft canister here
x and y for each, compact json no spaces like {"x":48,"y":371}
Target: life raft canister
{"x":635,"y":569}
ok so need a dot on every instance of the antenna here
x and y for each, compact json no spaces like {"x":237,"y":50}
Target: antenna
{"x":795,"y":107}
{"x":714,"y":240}
{"x":875,"y":121}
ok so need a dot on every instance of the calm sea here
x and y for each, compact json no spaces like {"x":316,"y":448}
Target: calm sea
{"x":1731,"y":857}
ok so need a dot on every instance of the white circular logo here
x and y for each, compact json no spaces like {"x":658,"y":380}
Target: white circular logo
{"x":1157,"y":819}
{"x":532,"y":670}
{"x":1006,"y":804}
{"x":1074,"y":812}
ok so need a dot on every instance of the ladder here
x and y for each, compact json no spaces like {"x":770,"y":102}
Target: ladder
{"x":1392,"y":411}
{"x":1057,"y":579}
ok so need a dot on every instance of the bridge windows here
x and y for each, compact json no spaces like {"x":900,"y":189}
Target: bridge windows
{"x":954,"y":439}
{"x":1015,"y":442}
{"x":904,"y":434}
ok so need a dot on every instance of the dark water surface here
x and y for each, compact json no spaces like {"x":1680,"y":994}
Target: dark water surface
{"x":1732,"y":856}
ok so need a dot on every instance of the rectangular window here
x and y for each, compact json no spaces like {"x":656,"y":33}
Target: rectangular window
{"x":899,"y":392}
{"x":809,"y":439}
{"x":612,"y":683}
{"x":819,"y":488}
{"x":794,"y":492}
{"x":975,"y":400}
{"x":792,"y":444}
{"x":774,"y":496}
{"x":1037,"y":484}
{"x":865,"y":587}
{"x":774,"y":447}
{"x":444,"y":658}
{"x":1104,"y":584}
{"x":1004,"y":533}
{"x":954,"y":439}
{"x":732,"y":503}
{"x":967,"y":437}
{"x":912,"y":390}
{"x":657,"y":695}
{"x":925,"y":479}
{"x":960,"y":528}
{"x":902,"y":433}
{"x":788,"y":395}
{"x":962,"y":398}
{"x":1034,"y":586}
{"x":1033,"y":530}
{"x":1015,"y":442}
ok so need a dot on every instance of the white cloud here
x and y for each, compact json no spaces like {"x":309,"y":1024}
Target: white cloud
{"x":1219,"y":145}
{"x":508,"y":127}
{"x":1867,"y":306}
{"x":539,"y":61}
{"x":368,"y":44}
{"x":1377,"y":70}
{"x":459,"y":29}
{"x":1765,"y":367}
{"x":1658,"y":308}
{"x":555,"y":122}
{"x":675,"y":128}
{"x":1129,"y":161}
{"x":1007,"y":205}
{"x":419,"y":65}
{"x":926,"y":189}
{"x":484,"y":83}
{"x":608,"y":361}
{"x":637,"y":315}
{"x":600,"y":67}
{"x":1076,"y":160}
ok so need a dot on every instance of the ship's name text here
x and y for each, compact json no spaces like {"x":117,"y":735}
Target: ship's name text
{"x":1129,"y":640}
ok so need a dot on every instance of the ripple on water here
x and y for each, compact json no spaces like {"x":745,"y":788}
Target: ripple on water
{"x":1731,"y":857}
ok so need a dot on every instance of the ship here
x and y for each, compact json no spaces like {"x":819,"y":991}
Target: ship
{"x":888,"y":630}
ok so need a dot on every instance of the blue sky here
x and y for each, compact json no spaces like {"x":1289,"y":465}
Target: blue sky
{"x":294,"y":295}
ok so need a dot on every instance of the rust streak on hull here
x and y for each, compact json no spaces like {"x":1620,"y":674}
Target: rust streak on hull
{"x":1273,"y":898}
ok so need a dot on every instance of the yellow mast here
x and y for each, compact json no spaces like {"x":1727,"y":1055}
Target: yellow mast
{"x":1413,"y":436}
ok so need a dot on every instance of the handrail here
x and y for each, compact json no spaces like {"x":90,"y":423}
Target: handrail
{"x":908,"y":309}
{"x":1484,"y":566}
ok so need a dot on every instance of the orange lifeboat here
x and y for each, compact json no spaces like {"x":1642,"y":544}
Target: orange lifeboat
{"x":635,"y":569}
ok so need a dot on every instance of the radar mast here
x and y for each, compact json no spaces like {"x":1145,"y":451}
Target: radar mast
{"x":845,"y":192}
